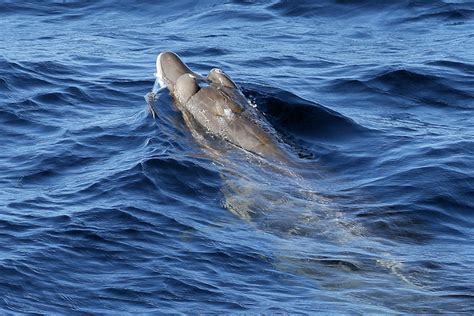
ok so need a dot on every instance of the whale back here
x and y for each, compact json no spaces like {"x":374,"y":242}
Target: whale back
{"x":186,"y":87}
{"x":219,"y":77}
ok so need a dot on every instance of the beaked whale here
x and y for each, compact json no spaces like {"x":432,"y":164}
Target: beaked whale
{"x":217,"y":104}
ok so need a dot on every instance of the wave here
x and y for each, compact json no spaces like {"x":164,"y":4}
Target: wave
{"x":414,"y":87}
{"x":404,"y":11}
{"x":416,"y":208}
{"x":423,"y":88}
{"x":460,"y":67}
{"x":301,"y":118}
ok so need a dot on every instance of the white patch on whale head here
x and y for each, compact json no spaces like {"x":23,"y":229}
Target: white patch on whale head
{"x":159,"y":72}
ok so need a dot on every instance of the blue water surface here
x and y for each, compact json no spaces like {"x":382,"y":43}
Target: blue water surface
{"x":107,"y":210}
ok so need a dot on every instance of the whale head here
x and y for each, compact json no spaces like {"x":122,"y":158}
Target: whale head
{"x":169,"y":68}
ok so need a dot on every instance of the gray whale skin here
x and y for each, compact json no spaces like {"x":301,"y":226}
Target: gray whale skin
{"x":217,"y":104}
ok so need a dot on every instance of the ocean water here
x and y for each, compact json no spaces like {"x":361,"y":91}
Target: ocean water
{"x":104,"y":209}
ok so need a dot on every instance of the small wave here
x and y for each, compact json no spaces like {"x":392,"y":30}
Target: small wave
{"x":462,"y":67}
{"x":302,"y":118}
{"x":290,"y":61}
{"x":334,"y":8}
{"x":198,"y":181}
{"x":4,"y":87}
{"x":206,"y":51}
{"x":24,"y":127}
{"x":418,"y":209}
{"x":49,"y":7}
{"x":439,"y":11}
{"x":404,"y":11}
{"x":422,"y":88}
{"x":213,"y":16}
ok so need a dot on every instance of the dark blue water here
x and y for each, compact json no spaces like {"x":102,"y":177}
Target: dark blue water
{"x":104,"y":209}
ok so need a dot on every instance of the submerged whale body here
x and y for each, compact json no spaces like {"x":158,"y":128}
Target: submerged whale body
{"x":217,"y":105}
